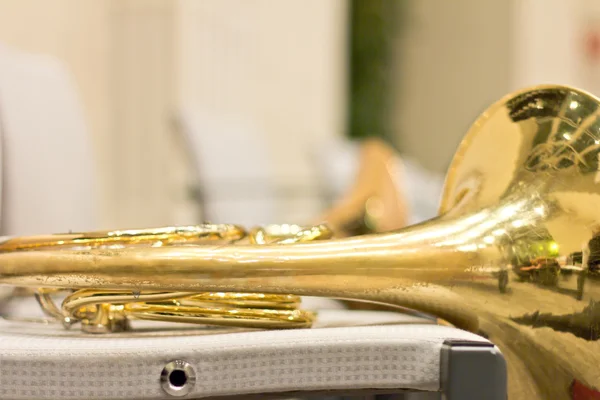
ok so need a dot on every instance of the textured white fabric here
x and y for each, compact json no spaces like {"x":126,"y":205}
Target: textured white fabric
{"x":47,"y":157}
{"x":320,"y":303}
{"x":47,"y":362}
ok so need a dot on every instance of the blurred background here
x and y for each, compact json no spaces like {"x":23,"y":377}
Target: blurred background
{"x":185,"y":104}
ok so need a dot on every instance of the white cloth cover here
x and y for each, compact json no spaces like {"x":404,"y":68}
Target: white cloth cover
{"x":47,"y":362}
{"x":47,"y":154}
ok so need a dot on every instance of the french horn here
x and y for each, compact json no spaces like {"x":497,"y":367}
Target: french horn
{"x":514,"y":255}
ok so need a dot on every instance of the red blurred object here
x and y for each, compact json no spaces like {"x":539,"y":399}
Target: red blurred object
{"x":581,"y":392}
{"x":592,"y":45}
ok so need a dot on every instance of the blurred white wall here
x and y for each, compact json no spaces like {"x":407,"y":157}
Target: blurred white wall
{"x":121,"y":53}
{"x":552,"y":42}
{"x":137,"y":61}
{"x":148,"y":171}
{"x":544,"y":42}
{"x":282,"y":64}
{"x":457,"y":58}
{"x":278,"y":65}
{"x":587,"y":39}
{"x":453,"y":61}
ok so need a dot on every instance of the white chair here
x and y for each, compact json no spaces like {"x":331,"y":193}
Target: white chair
{"x":47,"y":177}
{"x":236,"y":177}
{"x":47,"y":156}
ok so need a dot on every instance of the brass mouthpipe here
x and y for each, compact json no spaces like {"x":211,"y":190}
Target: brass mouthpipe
{"x":126,"y":237}
{"x":404,"y":268}
{"x":403,"y":254}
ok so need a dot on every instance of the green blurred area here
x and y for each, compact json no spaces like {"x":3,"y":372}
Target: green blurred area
{"x":373,"y":25}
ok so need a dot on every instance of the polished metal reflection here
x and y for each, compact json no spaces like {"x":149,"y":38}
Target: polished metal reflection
{"x":513,"y":255}
{"x":100,"y":310}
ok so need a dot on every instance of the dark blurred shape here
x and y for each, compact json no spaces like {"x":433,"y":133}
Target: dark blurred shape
{"x":372,"y":26}
{"x":584,"y":324}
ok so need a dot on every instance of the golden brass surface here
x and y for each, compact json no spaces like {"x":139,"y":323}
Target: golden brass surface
{"x":130,"y":237}
{"x":104,"y":311}
{"x":514,"y":253}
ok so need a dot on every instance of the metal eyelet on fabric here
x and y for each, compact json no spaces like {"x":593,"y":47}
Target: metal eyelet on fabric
{"x":178,"y":378}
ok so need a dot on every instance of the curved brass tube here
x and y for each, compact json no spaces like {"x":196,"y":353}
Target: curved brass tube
{"x":514,"y":253}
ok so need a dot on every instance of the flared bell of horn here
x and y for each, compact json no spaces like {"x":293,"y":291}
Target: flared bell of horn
{"x":513,"y":255}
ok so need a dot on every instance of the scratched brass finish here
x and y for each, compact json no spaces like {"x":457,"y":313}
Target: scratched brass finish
{"x":103,"y":311}
{"x":130,"y":237}
{"x":514,"y":253}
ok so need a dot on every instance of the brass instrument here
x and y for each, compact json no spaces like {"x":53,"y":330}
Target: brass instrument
{"x":512,"y":255}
